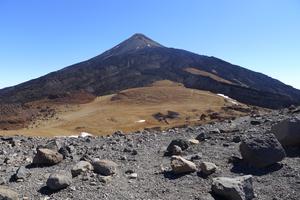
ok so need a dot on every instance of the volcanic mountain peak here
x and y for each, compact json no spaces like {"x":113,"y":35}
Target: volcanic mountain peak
{"x":139,"y":62}
{"x":136,"y":42}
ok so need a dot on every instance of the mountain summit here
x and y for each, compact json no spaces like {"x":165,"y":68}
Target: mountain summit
{"x":139,"y":61}
{"x":136,"y":42}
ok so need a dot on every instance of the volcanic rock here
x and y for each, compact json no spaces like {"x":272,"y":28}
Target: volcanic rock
{"x":8,"y":194}
{"x":52,"y":144}
{"x":183,"y":144}
{"x":47,"y":157}
{"x":80,"y":167}
{"x":175,"y":150}
{"x":22,"y":173}
{"x":202,"y":136}
{"x":239,"y":188}
{"x":288,"y":132}
{"x":262,"y":150}
{"x":180,"y":165}
{"x":105,"y":167}
{"x":208,"y":168}
{"x":59,"y":180}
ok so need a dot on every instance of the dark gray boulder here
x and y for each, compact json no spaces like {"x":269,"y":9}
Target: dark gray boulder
{"x":288,"y":132}
{"x":105,"y":167}
{"x":262,"y":150}
{"x":175,"y":150}
{"x":59,"y":180}
{"x":22,"y":173}
{"x":182,"y":143}
{"x":238,"y":188}
{"x":51,"y":144}
{"x":80,"y":167}
{"x":47,"y":157}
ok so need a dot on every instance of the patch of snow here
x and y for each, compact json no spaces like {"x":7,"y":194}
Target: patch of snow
{"x":85,"y":134}
{"x":73,"y":136}
{"x":82,"y":134}
{"x":224,"y":96}
{"x":149,"y":45}
{"x":228,"y":98}
{"x":141,"y":121}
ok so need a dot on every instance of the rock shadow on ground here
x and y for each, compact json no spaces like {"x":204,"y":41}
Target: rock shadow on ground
{"x":47,"y":191}
{"x":244,"y":168}
{"x":292,"y":152}
{"x":172,"y":176}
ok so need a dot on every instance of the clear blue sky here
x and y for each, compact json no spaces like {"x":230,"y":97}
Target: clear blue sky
{"x":40,"y":36}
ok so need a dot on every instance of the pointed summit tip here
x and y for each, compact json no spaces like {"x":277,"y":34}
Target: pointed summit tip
{"x":143,"y":40}
{"x":136,"y":42}
{"x":139,"y":35}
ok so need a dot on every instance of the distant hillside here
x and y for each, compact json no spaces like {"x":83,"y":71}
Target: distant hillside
{"x":163,"y":105}
{"x":140,"y":61}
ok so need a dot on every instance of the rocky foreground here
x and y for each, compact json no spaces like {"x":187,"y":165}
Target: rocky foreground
{"x":255,"y":157}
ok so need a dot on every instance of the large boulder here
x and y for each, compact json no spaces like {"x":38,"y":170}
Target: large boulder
{"x":262,"y":150}
{"x":80,"y":167}
{"x":8,"y":194}
{"x":105,"y":167}
{"x":180,"y":165}
{"x":288,"y":132}
{"x":59,"y":180}
{"x":239,"y":188}
{"x":47,"y":157}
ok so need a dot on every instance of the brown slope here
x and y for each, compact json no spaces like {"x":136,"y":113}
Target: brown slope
{"x":165,"y":104}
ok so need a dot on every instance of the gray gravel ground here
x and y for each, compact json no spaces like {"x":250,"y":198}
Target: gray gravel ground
{"x":154,"y":181}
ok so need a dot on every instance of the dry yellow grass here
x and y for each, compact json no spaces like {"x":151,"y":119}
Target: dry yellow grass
{"x":130,"y":110}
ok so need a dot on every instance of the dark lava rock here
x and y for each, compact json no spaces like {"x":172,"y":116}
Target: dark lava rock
{"x":175,"y":150}
{"x":255,"y":122}
{"x":202,"y":136}
{"x":59,"y":180}
{"x":183,"y":144}
{"x":52,"y":144}
{"x":66,"y":151}
{"x":288,"y":132}
{"x":21,"y":173}
{"x":47,"y":157}
{"x":262,"y":150}
{"x":239,"y":188}
{"x":236,"y":139}
{"x":134,"y":152}
{"x":105,"y":167}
